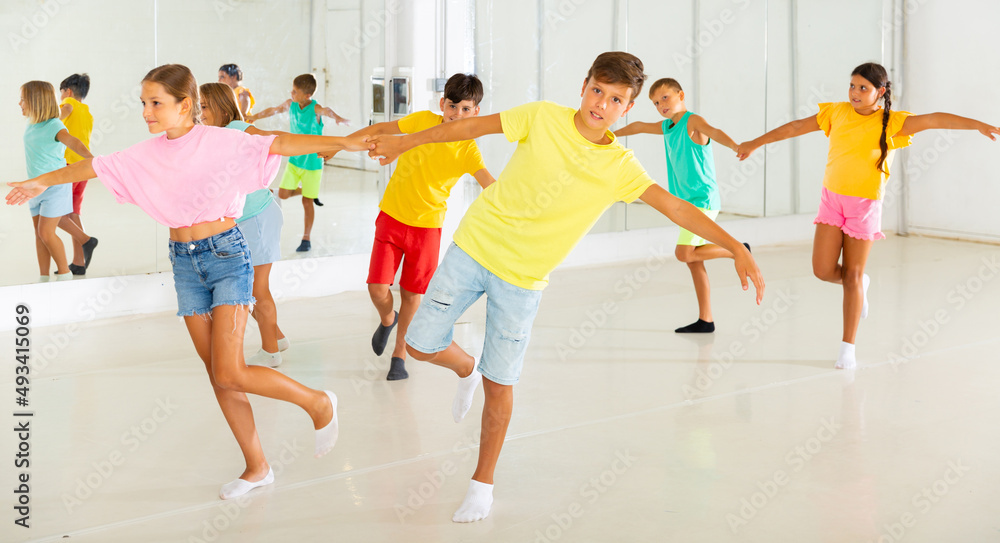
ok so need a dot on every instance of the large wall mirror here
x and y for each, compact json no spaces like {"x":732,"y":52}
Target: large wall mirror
{"x":747,"y":65}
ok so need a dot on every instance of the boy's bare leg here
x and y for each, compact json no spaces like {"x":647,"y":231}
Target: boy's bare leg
{"x":695,"y":258}
{"x":310,"y":215}
{"x":702,"y":289}
{"x":496,"y":418}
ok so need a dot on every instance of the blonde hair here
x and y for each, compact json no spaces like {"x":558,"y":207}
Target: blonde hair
{"x":40,"y":97}
{"x":179,"y":82}
{"x":221,"y":99}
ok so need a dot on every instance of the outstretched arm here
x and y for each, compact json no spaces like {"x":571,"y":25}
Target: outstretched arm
{"x":320,"y":111}
{"x":639,"y":128}
{"x":484,"y":178}
{"x":790,"y":130}
{"x":932,"y":121}
{"x":697,"y":122}
{"x":64,"y":111}
{"x":689,"y":217}
{"x":389,"y":128}
{"x":271,"y":111}
{"x":304,"y":144}
{"x":73,"y":143}
{"x":26,"y":190}
{"x":388,"y":148}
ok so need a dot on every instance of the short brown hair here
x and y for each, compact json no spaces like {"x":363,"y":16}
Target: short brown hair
{"x":179,"y":82}
{"x":618,"y":68}
{"x":464,"y":87}
{"x":668,"y":82}
{"x":40,"y":96}
{"x":221,"y":99}
{"x":305,"y":83}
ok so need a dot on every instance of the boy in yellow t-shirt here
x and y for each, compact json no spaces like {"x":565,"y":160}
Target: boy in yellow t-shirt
{"x":80,"y":123}
{"x":408,"y":229}
{"x":567,"y":170}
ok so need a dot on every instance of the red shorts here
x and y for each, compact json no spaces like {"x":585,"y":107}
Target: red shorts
{"x":393,"y":241}
{"x":78,"y":195}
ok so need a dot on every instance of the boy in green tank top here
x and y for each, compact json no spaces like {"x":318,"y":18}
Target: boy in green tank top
{"x":691,"y":177}
{"x":303,"y":173}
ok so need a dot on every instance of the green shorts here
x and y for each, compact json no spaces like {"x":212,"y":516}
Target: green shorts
{"x":309,"y":179}
{"x":690,"y":238}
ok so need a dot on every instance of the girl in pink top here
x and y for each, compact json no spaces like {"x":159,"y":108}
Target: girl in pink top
{"x":847,"y":223}
{"x":194,"y":179}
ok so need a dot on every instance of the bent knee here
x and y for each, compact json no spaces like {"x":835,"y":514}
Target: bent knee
{"x":684,"y":253}
{"x":418,"y":355}
{"x":229,"y":380}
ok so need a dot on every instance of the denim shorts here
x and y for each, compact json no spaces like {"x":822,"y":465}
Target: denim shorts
{"x":55,"y":201}
{"x":510,"y":312}
{"x":263,"y":234}
{"x":211,"y":272}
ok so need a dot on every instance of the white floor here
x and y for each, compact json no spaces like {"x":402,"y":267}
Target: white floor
{"x":622,"y":430}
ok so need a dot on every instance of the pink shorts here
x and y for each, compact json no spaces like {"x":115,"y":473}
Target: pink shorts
{"x":857,"y":217}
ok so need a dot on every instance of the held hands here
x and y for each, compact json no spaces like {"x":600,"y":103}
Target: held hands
{"x":23,"y":191}
{"x":746,"y":268}
{"x":385,"y":148}
{"x":745,"y":149}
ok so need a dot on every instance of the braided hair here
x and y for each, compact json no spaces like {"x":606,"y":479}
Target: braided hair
{"x":877,"y":75}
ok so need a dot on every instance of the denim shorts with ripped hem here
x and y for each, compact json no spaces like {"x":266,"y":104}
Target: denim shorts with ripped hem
{"x":211,"y":272}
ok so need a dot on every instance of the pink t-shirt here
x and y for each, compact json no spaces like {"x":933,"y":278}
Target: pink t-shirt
{"x":201,"y":176}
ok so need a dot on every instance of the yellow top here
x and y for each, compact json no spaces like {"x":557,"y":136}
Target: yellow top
{"x":418,"y":192}
{"x":555,"y":187}
{"x":240,"y":90}
{"x":854,"y":149}
{"x":79,"y":124}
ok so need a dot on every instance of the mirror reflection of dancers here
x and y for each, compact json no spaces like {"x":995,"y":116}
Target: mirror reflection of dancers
{"x":193,"y":179}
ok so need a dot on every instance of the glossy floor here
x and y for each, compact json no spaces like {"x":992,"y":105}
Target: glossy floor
{"x":622,"y":430}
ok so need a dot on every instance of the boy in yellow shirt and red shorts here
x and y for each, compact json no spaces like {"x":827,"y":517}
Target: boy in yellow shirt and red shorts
{"x":408,"y":229}
{"x":567,"y":170}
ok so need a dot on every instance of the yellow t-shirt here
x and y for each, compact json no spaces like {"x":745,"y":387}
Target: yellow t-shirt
{"x":551,"y":193}
{"x":79,"y":124}
{"x":854,"y":149}
{"x":418,"y":192}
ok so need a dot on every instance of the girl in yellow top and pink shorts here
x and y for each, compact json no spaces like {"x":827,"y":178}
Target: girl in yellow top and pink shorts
{"x":862,"y":138}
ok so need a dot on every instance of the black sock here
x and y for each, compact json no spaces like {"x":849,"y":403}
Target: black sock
{"x":381,"y":336}
{"x":88,"y":251}
{"x":317,"y":202}
{"x":747,"y":245}
{"x":397,"y":369}
{"x":700,"y":327}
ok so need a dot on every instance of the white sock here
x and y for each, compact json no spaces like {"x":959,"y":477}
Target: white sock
{"x":865,"y":281}
{"x":43,"y":278}
{"x":846,"y":359}
{"x":463,"y":396}
{"x":64,"y":276}
{"x":283,"y":344}
{"x":240,"y":487}
{"x":326,"y":437}
{"x":477,"y":503}
{"x":264,"y":358}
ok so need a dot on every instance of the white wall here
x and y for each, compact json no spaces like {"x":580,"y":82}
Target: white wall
{"x":953,"y":66}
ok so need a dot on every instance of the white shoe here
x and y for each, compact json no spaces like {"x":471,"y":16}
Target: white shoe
{"x":283,"y":344}
{"x":264,"y":358}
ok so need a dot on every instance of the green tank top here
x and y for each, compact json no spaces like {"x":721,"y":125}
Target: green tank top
{"x":690,"y":167}
{"x":303,"y":121}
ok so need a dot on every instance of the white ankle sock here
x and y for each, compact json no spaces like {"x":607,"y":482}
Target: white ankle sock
{"x":477,"y":503}
{"x":326,"y":437}
{"x":463,"y":396}
{"x":264,"y":358}
{"x":43,"y":278}
{"x":64,"y":276}
{"x":283,"y":344}
{"x":865,"y":281}
{"x":846,"y":359}
{"x":240,"y":487}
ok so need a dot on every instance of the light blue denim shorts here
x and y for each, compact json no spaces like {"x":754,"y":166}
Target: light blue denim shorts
{"x":211,"y":272}
{"x":55,"y":201}
{"x":263,"y":234}
{"x":510,"y":311}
